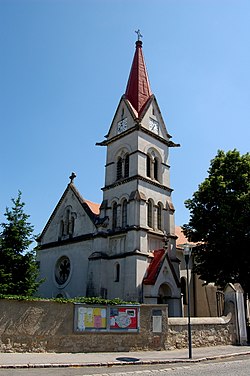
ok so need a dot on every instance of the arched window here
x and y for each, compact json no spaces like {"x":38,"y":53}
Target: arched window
{"x":61,"y":229}
{"x":124,"y":213}
{"x":150,"y":213}
{"x":159,"y":216}
{"x":117,"y":272}
{"x":122,"y":167}
{"x":152,"y":165}
{"x":67,"y":224}
{"x":155,"y":168}
{"x":71,"y":225}
{"x":126,"y":166}
{"x":148,"y":166}
{"x":119,"y":168}
{"x":114,"y":216}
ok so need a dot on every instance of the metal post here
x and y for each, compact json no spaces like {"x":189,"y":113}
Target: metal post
{"x":189,"y":321}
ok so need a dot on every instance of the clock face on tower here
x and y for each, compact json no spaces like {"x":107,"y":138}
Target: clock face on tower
{"x":122,"y":125}
{"x":153,"y":126}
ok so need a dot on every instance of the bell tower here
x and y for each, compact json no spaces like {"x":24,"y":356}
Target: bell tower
{"x":137,"y":211}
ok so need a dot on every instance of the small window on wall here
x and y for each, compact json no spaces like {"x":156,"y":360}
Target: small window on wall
{"x":117,"y":272}
{"x":59,"y":296}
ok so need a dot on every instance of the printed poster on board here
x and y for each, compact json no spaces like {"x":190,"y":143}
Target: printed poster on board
{"x":91,"y":318}
{"x":123,"y":318}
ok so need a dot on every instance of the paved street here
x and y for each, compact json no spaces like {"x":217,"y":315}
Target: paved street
{"x":233,"y":366}
{"x":214,"y":360}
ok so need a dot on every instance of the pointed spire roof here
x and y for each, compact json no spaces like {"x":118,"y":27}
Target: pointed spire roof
{"x":138,"y":89}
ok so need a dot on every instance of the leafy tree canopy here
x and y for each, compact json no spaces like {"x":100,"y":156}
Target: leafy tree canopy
{"x":220,"y":221}
{"x":18,"y":268}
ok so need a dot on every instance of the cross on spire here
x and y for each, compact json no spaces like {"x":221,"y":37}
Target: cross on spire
{"x":139,"y":35}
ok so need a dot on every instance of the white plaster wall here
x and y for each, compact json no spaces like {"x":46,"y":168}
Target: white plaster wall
{"x":154,"y":113}
{"x":122,"y":106}
{"x":78,"y":254}
{"x":142,"y":266}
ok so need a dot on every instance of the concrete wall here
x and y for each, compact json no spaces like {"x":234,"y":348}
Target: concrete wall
{"x":45,"y":326}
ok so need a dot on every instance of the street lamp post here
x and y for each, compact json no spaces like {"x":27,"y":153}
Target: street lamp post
{"x":187,"y":253}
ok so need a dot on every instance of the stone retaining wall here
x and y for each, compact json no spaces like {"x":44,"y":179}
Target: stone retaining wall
{"x":41,"y":326}
{"x":207,"y":331}
{"x":45,"y":326}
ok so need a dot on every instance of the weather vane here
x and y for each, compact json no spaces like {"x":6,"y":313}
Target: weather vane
{"x":139,"y":36}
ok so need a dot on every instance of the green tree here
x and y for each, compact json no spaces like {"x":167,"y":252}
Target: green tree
{"x":18,"y":268}
{"x":220,"y":221}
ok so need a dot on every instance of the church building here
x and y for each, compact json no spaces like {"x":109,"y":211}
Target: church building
{"x":126,"y":246}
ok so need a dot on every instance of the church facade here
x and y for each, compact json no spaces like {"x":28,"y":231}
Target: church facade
{"x":126,"y":246}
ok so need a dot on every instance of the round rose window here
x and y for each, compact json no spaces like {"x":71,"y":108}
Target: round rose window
{"x":62,"y":270}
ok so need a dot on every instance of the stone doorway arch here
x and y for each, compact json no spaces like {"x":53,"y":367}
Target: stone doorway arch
{"x":165,"y":297}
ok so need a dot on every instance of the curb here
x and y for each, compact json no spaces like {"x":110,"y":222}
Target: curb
{"x":119,"y":363}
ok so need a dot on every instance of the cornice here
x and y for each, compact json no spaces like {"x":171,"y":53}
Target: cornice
{"x":138,"y":127}
{"x":70,"y":240}
{"x":137,"y":177}
{"x":118,"y":256}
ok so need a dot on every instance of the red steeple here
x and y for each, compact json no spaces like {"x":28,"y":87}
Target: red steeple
{"x":138,"y":88}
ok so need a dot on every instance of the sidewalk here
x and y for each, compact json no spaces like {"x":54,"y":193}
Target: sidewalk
{"x":46,"y":360}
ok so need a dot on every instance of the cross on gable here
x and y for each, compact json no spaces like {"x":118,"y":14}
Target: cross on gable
{"x":72,"y":177}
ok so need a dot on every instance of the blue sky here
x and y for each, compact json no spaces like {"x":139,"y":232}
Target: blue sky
{"x":64,"y":65}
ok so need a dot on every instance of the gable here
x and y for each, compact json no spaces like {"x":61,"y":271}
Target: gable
{"x":72,"y":217}
{"x":154,"y":267}
{"x":123,"y":119}
{"x":159,"y":269}
{"x":152,"y":115}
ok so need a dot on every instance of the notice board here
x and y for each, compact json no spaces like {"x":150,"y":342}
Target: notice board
{"x":106,"y":318}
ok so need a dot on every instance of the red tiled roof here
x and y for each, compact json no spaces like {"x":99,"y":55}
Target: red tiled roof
{"x":181,"y":237}
{"x":154,"y":267}
{"x":159,"y":255}
{"x":95,"y":208}
{"x":138,"y":89}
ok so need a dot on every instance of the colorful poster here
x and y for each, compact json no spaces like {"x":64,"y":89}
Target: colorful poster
{"x":123,"y":318}
{"x":91,"y":318}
